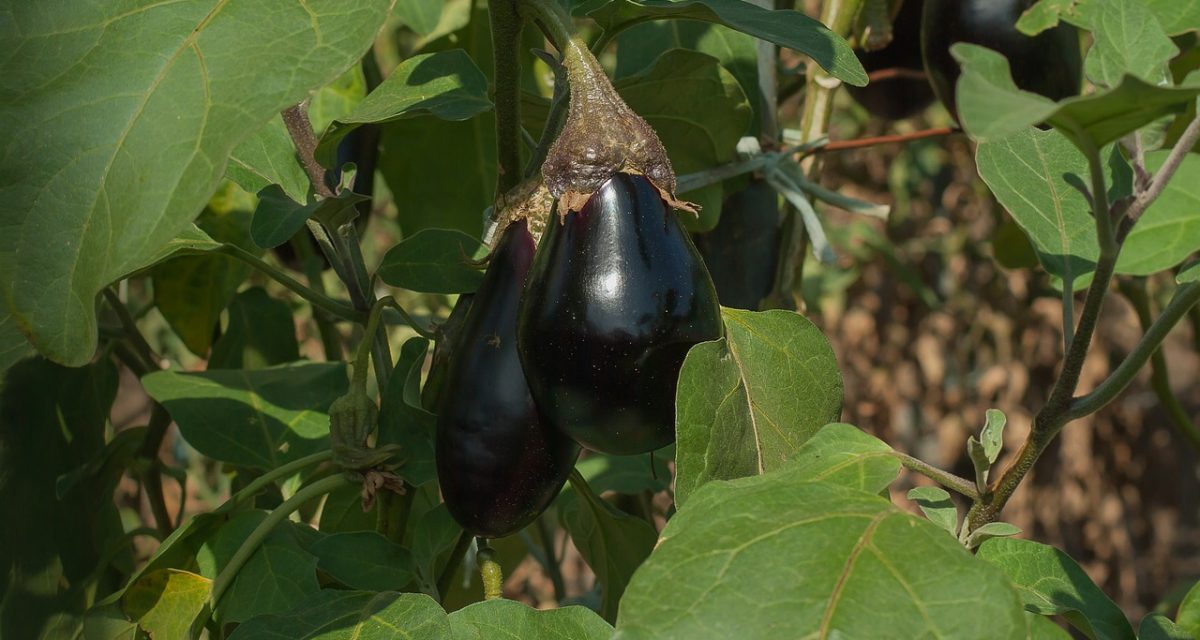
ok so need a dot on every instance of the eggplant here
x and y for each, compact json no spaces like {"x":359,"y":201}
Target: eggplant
{"x":616,"y":296}
{"x":906,"y":92}
{"x":499,"y":463}
{"x":1049,"y":63}
{"x":742,"y":252}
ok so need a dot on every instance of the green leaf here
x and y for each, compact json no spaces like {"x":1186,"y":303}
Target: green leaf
{"x":258,"y":418}
{"x":343,"y":512}
{"x":445,"y":85}
{"x":402,"y":421}
{"x":337,"y":98}
{"x":768,"y":557}
{"x":134,"y":109}
{"x":104,"y":470}
{"x":698,"y":111}
{"x":278,"y":217}
{"x":1189,"y":273}
{"x":14,"y":346}
{"x":992,"y":435}
{"x":191,"y":241}
{"x":192,"y":290}
{"x":1126,"y":40}
{"x":613,"y":543}
{"x":261,"y":333}
{"x":1189,"y":611}
{"x":785,"y":28}
{"x":639,"y":46}
{"x":422,"y":16}
{"x":364,"y":560}
{"x":268,"y":157}
{"x":353,"y":615}
{"x":747,"y":402}
{"x":1158,"y":627}
{"x":434,"y":261}
{"x":1051,"y":583}
{"x":845,"y":455}
{"x":936,"y":504}
{"x":277,"y":575}
{"x":510,"y":620}
{"x":1043,"y":628}
{"x":991,"y":107}
{"x":1175,"y":16}
{"x":434,"y":537}
{"x":52,"y":421}
{"x":1169,"y":231}
{"x":991,"y":530}
{"x":625,"y":474}
{"x":165,"y":602}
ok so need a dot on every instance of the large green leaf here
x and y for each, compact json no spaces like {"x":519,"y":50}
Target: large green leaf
{"x":352,"y":615}
{"x":1159,"y":627}
{"x":845,"y":455}
{"x":133,"y":109}
{"x":268,"y":157}
{"x":1189,"y":611}
{"x":785,"y":28}
{"x":278,"y":574}
{"x":1035,"y":175}
{"x":747,"y":402}
{"x":991,"y":107}
{"x":509,"y":620}
{"x":446,"y":84}
{"x":433,"y":539}
{"x":14,"y":346}
{"x":434,"y":261}
{"x":1051,"y":583}
{"x":1126,"y":40}
{"x":256,"y":418}
{"x":769,"y":557}
{"x":364,"y":560}
{"x":613,"y":543}
{"x":698,"y":110}
{"x":625,"y":474}
{"x":52,"y":420}
{"x":343,"y":511}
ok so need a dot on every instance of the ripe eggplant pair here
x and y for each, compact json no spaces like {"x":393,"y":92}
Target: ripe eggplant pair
{"x":923,"y":31}
{"x":581,"y":343}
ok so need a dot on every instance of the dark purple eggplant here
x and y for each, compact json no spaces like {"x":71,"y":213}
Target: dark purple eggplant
{"x":905,"y":92}
{"x":499,"y":463}
{"x":1049,"y":63}
{"x":742,"y":252}
{"x":616,"y":296}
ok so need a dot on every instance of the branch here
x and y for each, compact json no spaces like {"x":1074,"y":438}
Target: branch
{"x":300,"y":129}
{"x":1186,"y":297}
{"x":944,"y":478}
{"x":1159,"y":182}
{"x":861,"y":143}
{"x":506,"y":39}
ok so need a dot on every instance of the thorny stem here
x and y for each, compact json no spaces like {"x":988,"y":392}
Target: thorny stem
{"x":277,"y":515}
{"x":944,"y":478}
{"x":1134,"y":290}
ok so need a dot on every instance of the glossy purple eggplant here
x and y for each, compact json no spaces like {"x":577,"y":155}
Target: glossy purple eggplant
{"x":905,"y":92}
{"x":499,"y":463}
{"x":616,"y":297}
{"x":1049,"y":63}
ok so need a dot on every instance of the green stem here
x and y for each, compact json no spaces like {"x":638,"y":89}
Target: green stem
{"x":325,"y":303}
{"x":490,"y":572}
{"x":151,"y":476}
{"x":277,"y":515}
{"x":452,"y":564}
{"x":363,"y":353}
{"x":132,"y":333}
{"x":1057,"y":410}
{"x":506,"y":40}
{"x":944,"y":478}
{"x":1134,"y":290}
{"x":553,"y":21}
{"x":331,"y":341}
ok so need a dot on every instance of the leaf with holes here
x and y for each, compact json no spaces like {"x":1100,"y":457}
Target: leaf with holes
{"x":747,"y":402}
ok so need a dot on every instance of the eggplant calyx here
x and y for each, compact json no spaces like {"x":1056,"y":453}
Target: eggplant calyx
{"x":531,"y":201}
{"x":601,"y":137}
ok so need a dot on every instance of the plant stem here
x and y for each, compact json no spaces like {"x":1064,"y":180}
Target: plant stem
{"x":1134,"y":290}
{"x":325,"y":303}
{"x":1174,"y":160}
{"x":135,"y":337}
{"x":151,"y":476}
{"x":277,"y":515}
{"x":490,"y":572}
{"x":944,"y":478}
{"x":862,"y":143}
{"x":295,"y":118}
{"x":452,"y":563}
{"x":506,"y":39}
{"x":552,"y":568}
{"x":554,"y":22}
{"x":331,"y":340}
